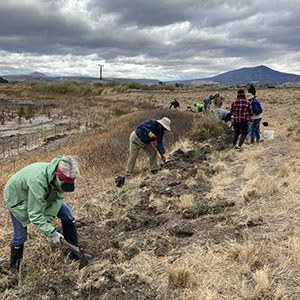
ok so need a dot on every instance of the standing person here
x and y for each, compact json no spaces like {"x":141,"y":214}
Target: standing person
{"x":218,"y":100}
{"x":207,"y":103}
{"x":35,"y":194}
{"x":143,"y":137}
{"x":241,"y":112}
{"x":257,"y":115}
{"x":174,"y":103}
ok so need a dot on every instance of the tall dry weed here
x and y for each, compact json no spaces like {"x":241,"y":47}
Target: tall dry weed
{"x":260,"y":286}
{"x":247,"y":253}
{"x":179,"y":277}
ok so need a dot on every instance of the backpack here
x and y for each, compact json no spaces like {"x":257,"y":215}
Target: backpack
{"x":256,"y":107}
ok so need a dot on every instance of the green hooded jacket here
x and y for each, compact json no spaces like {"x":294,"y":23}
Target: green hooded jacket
{"x":31,"y":196}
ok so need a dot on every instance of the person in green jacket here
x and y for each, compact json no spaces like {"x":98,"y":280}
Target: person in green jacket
{"x":35,"y":194}
{"x":198,"y":107}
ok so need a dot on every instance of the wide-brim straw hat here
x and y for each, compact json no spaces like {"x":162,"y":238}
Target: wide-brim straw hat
{"x":165,"y":122}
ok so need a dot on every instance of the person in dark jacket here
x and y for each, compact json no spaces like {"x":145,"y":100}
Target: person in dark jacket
{"x":147,"y":136}
{"x":174,"y":103}
{"x":207,"y":102}
{"x":35,"y":194}
{"x":241,"y":112}
{"x":256,"y":117}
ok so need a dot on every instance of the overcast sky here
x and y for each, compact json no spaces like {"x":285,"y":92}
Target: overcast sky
{"x":158,"y":39}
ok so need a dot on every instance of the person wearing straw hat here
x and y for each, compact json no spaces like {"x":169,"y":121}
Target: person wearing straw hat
{"x":148,"y":136}
{"x":35,"y":194}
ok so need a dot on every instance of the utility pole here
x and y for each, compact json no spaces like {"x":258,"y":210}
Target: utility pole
{"x":101,"y":66}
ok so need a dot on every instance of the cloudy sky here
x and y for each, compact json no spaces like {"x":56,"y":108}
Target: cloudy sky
{"x":158,"y":39}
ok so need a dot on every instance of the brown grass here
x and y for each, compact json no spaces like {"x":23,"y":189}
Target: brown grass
{"x":258,"y":261}
{"x":179,"y":277}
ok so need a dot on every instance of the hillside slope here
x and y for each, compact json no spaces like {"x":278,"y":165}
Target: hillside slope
{"x":260,"y":75}
{"x":212,"y":224}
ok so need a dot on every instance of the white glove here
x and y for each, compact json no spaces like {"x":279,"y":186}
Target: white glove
{"x":56,"y":236}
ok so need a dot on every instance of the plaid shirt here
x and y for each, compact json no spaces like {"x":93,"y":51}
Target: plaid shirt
{"x":241,"y":110}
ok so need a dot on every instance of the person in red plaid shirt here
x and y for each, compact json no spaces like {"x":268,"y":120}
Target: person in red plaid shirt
{"x":241,"y":112}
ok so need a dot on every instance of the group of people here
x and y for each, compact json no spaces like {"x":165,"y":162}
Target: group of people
{"x":244,"y":114}
{"x":35,"y":194}
{"x":216,"y":99}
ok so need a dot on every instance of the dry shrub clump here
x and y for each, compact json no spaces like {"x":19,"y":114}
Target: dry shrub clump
{"x":261,"y":186}
{"x":258,"y":286}
{"x":179,"y":277}
{"x":186,"y":201}
{"x":247,"y":253}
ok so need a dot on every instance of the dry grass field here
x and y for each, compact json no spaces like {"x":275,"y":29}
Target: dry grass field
{"x":212,"y":224}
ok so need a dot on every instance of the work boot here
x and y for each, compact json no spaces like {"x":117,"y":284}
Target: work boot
{"x":70,"y":235}
{"x":73,"y":256}
{"x":16,"y":254}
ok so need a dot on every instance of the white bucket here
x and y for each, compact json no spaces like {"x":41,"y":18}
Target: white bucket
{"x":268,"y":134}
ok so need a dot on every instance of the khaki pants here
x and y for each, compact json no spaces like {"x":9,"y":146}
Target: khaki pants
{"x":135,"y":145}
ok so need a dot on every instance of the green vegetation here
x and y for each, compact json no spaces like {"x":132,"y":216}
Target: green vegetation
{"x":210,"y":208}
{"x":64,"y":87}
{"x":206,"y":127}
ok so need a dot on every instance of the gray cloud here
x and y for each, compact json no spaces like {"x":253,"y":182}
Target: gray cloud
{"x":165,"y":39}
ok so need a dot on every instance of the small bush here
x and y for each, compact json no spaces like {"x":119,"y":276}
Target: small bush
{"x":206,"y":127}
{"x":213,"y":208}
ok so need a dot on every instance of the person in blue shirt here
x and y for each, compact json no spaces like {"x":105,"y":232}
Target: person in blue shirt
{"x":148,"y":136}
{"x":207,"y":103}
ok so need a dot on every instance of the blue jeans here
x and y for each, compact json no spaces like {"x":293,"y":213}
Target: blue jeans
{"x":20,"y":232}
{"x":254,"y":132}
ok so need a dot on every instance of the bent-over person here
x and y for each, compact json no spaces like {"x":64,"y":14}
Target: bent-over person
{"x":148,"y":136}
{"x":35,"y":194}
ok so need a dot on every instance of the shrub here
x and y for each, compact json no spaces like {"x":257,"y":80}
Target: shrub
{"x":206,"y":127}
{"x":64,"y":87}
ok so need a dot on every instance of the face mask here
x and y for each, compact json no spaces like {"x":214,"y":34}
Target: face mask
{"x":58,"y":184}
{"x":66,"y":187}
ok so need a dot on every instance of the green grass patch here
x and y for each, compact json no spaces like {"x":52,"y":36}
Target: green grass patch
{"x":210,"y":209}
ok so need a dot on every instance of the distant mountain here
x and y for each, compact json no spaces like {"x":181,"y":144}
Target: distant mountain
{"x":258,"y":75}
{"x":38,"y":75}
